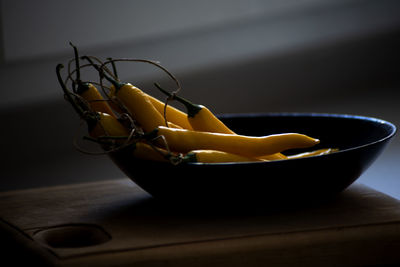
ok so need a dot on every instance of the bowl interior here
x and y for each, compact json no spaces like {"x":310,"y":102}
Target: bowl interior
{"x":334,"y":130}
{"x":359,"y":140}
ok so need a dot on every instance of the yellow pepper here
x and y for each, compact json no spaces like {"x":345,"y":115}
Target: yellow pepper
{"x":182,"y":140}
{"x":215,"y":156}
{"x":173,"y":114}
{"x":139,"y":106}
{"x":88,"y":91}
{"x":107,"y":125}
{"x":323,"y":151}
{"x":146,"y":152}
{"x":200,"y":117}
{"x":177,"y":120}
{"x":135,"y":101}
{"x":96,"y":101}
{"x":276,"y":156}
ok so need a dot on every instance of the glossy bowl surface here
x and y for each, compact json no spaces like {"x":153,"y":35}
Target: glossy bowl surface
{"x":360,"y":141}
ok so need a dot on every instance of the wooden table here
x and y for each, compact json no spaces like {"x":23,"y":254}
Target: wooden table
{"x":115,"y":223}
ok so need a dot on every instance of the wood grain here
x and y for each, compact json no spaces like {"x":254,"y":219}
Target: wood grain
{"x":360,"y":226}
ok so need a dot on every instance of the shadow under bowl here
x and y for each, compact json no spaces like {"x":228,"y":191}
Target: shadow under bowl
{"x":360,"y":141}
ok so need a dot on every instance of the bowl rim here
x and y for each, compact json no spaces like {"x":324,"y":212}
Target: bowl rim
{"x":375,"y":120}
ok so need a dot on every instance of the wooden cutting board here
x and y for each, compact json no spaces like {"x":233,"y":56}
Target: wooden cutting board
{"x":115,"y":223}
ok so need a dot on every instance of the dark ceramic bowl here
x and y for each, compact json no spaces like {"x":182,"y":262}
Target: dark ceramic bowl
{"x":359,"y":139}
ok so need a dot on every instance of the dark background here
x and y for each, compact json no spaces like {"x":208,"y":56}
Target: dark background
{"x":288,"y":56}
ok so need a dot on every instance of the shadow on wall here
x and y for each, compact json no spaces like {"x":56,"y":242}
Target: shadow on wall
{"x":303,"y":80}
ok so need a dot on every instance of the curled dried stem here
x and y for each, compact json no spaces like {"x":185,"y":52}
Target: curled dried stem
{"x":113,"y":143}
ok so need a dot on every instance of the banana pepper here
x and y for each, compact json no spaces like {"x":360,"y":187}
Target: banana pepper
{"x":200,"y":117}
{"x":215,"y":156}
{"x":182,"y":140}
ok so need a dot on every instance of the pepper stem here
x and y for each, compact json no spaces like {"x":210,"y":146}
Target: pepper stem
{"x":116,"y":84}
{"x":114,"y":67}
{"x":82,"y":87}
{"x":66,"y":92}
{"x":192,"y":109}
{"x":91,"y":120}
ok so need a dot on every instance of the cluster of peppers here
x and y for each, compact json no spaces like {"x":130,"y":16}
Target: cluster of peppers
{"x":123,"y":116}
